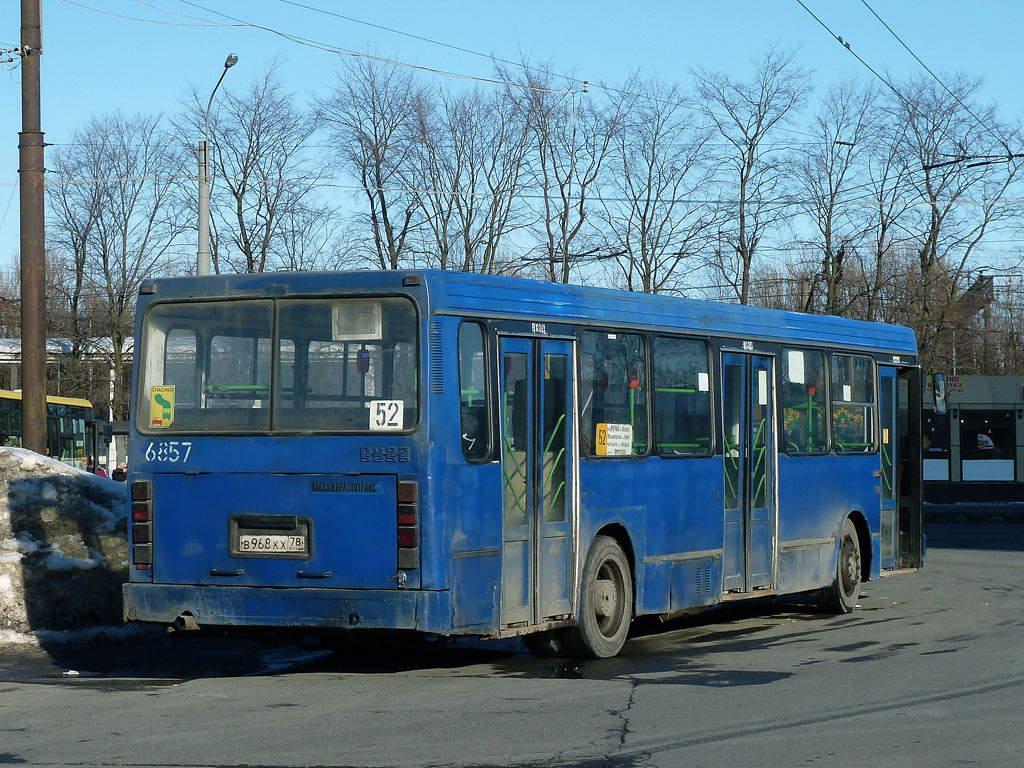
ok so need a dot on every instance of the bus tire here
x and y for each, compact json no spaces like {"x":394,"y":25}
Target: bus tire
{"x":842,"y":596}
{"x":548,"y":644}
{"x":606,"y":602}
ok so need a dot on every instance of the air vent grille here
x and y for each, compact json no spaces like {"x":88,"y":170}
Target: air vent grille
{"x":436,"y":359}
{"x":704,"y":580}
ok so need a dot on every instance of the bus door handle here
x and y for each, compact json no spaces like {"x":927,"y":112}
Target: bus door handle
{"x":311,"y":575}
{"x":219,"y":572}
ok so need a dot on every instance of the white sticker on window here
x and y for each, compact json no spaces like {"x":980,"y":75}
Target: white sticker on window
{"x":355,"y":320}
{"x":847,"y":393}
{"x":614,"y":439}
{"x":795,"y":359}
{"x":762,"y":387}
{"x":702,"y":382}
{"x":387,"y":415}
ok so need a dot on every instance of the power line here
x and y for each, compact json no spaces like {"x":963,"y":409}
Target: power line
{"x":936,"y":77}
{"x":782,"y":200}
{"x":519,"y":64}
{"x":137,"y":18}
{"x":345,"y":52}
{"x":846,"y":45}
{"x":414,"y":37}
{"x":9,"y":199}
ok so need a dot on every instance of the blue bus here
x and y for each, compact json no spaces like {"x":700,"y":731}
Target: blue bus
{"x":458,"y":454}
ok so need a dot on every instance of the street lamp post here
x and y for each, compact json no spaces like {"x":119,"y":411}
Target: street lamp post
{"x":203,"y":258}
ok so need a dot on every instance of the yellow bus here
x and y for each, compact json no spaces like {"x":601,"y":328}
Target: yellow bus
{"x":70,"y":427}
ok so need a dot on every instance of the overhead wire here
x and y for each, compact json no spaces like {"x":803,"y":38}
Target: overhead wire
{"x":328,"y":48}
{"x":909,"y":105}
{"x":519,"y":64}
{"x":780,"y":201}
{"x":139,"y":18}
{"x":927,"y":69}
{"x":847,"y":46}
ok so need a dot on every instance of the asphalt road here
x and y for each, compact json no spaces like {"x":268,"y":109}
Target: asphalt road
{"x":929,"y":671}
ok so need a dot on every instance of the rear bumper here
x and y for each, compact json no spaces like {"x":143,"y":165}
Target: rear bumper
{"x":267,"y":607}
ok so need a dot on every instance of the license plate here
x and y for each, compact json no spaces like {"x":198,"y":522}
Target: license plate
{"x":270,"y":543}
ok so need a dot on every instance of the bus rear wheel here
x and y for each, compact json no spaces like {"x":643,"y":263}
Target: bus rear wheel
{"x":842,"y":596}
{"x":606,"y":602}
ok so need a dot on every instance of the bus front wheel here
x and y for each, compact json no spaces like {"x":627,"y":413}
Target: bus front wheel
{"x":606,"y":602}
{"x":842,"y":596}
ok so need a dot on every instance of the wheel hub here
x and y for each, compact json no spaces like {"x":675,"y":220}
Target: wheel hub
{"x":606,"y":598}
{"x":851,"y":568}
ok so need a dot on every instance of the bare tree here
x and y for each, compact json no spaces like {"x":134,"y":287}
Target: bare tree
{"x":965,"y":171}
{"x":572,"y":135}
{"x":305,"y":238}
{"x":135,"y":220}
{"x":658,"y":214}
{"x":748,"y":115}
{"x":260,"y":159}
{"x":827,"y":176}
{"x":371,"y":118}
{"x":888,"y":191}
{"x":470,"y":158}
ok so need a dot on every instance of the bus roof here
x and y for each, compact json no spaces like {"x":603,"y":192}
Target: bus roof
{"x":8,"y":394}
{"x":526,"y":299}
{"x":516,"y":298}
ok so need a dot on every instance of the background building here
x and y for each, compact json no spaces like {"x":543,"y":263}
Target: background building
{"x":974,"y":452}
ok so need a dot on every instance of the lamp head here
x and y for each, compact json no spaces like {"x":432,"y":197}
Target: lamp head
{"x":231,"y":61}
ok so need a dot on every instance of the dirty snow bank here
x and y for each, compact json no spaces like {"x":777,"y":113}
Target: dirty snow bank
{"x":63,"y":552}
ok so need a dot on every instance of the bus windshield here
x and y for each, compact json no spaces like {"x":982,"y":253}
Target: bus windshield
{"x":287,"y":365}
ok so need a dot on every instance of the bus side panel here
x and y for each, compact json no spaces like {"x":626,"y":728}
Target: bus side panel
{"x":688,"y":520}
{"x":473,"y":518}
{"x":668,"y":508}
{"x":812,"y":511}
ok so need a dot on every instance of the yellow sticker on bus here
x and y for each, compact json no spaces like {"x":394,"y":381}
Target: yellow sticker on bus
{"x":161,"y":406}
{"x":614,"y":439}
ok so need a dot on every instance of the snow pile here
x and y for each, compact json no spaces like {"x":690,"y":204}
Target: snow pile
{"x":63,"y":552}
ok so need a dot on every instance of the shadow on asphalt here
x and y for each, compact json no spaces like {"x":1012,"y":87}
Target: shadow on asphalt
{"x":676,"y":650}
{"x":149,"y":658}
{"x":153,"y":659}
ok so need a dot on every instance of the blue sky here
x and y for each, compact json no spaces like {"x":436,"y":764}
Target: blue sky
{"x":95,"y":62}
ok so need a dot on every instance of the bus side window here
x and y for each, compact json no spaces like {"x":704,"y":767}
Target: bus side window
{"x":803,"y":402}
{"x":474,"y":422}
{"x":613,"y":393}
{"x":682,"y":397}
{"x":853,"y":404}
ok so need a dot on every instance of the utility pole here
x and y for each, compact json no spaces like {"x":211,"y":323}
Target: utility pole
{"x":31,"y":170}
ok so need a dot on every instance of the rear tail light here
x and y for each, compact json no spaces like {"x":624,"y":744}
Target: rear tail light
{"x":408,"y":531}
{"x":406,"y":539}
{"x":142,"y":524}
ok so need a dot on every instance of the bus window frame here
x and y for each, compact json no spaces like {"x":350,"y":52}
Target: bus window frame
{"x":712,"y":443}
{"x":646,"y":345}
{"x":874,"y":404}
{"x":204,"y":339}
{"x":487,"y":345}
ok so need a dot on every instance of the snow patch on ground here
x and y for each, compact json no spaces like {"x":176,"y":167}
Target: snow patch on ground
{"x":63,"y":549}
{"x":77,"y":636}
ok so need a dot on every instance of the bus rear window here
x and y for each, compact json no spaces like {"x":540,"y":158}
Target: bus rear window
{"x":346,"y":364}
{"x":341,"y":365}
